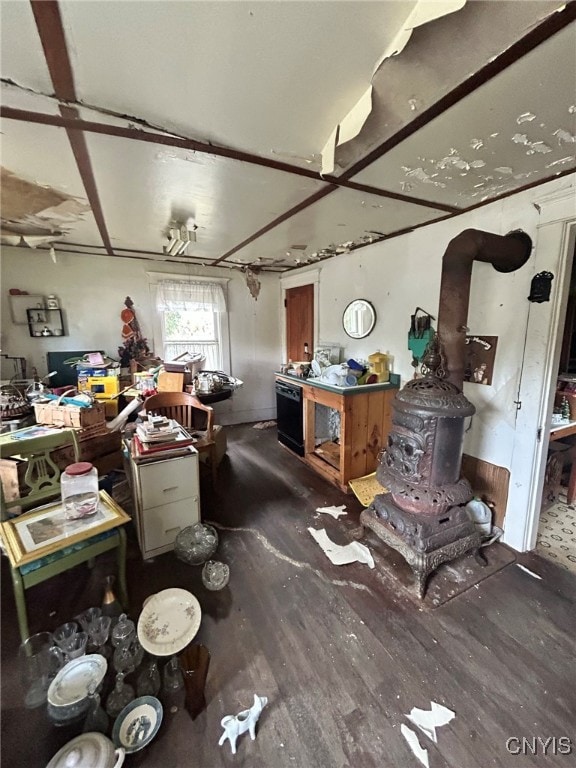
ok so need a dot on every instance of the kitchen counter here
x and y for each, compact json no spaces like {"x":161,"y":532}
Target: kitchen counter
{"x":356,"y":389}
{"x":344,"y":429}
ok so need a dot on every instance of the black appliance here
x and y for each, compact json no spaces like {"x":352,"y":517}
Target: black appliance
{"x":289,"y":416}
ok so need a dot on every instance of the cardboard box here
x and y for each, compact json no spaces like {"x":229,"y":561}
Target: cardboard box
{"x":69,"y":415}
{"x":102,"y":387}
{"x":170,"y":382}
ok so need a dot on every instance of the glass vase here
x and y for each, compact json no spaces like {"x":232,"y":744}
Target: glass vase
{"x":96,"y":719}
{"x":148,"y":683}
{"x":121,"y":694}
{"x":110,"y":604}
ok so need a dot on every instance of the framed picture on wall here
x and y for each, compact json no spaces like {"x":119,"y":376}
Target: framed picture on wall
{"x":327,"y":354}
{"x":479,"y":359}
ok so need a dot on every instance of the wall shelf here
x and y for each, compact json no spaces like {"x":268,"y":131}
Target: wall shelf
{"x":21,"y":303}
{"x":45,"y":323}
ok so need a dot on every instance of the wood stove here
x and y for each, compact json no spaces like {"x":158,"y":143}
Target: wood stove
{"x":423,"y":514}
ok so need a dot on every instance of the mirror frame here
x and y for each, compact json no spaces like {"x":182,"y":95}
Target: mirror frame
{"x":371,"y":328}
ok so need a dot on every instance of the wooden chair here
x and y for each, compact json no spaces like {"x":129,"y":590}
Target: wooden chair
{"x":188,"y":411}
{"x":42,"y":481}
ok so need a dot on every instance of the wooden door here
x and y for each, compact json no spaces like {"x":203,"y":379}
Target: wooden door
{"x":299,"y":322}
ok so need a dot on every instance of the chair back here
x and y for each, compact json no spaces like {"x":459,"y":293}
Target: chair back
{"x":42,"y":477}
{"x":184,"y":408}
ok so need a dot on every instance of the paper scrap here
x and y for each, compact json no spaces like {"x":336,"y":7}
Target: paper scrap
{"x":336,"y":512}
{"x":417,"y":750}
{"x":342,"y":555}
{"x":430,"y":719}
{"x":535,"y":575}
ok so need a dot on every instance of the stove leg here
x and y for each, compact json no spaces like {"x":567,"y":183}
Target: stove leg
{"x":480,"y":557}
{"x":358,"y":532}
{"x":421,"y":579}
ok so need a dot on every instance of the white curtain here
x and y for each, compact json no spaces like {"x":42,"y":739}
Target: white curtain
{"x":176,"y":295}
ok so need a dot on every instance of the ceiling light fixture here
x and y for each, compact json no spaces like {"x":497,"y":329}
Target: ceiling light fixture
{"x":179,"y":238}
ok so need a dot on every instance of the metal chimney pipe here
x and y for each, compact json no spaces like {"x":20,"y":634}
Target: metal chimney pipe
{"x":506,"y":253}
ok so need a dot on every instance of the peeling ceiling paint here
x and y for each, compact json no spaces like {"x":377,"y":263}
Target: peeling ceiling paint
{"x":32,"y":208}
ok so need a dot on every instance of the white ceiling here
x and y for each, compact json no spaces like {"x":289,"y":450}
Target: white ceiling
{"x":208,"y":98}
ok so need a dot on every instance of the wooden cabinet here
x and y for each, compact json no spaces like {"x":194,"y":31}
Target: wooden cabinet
{"x":345,"y":429}
{"x":167,"y":498}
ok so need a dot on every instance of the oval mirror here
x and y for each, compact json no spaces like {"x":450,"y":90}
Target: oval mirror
{"x":359,"y":318}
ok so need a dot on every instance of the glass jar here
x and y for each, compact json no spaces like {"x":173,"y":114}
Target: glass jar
{"x":79,"y":483}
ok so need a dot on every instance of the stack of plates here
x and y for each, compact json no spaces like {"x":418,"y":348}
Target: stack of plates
{"x":68,"y":692}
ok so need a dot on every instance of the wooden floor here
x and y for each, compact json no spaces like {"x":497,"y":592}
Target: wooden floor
{"x":340,"y":655}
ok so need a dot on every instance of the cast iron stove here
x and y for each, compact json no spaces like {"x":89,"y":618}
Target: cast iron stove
{"x":423,"y":514}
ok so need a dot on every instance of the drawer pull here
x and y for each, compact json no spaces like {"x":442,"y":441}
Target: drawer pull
{"x":172,"y":488}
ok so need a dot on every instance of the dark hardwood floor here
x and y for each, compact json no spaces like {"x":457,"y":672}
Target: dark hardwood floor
{"x":340,"y":652}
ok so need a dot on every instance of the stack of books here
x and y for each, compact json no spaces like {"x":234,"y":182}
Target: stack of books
{"x":160,"y":438}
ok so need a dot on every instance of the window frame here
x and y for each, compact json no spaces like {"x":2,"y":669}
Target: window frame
{"x":222,"y":321}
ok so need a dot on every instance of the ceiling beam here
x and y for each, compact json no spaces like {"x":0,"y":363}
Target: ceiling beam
{"x":73,"y":122}
{"x":53,"y":40}
{"x":51,"y":31}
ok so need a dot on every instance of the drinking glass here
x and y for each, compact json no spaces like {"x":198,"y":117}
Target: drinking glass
{"x":76,"y":646}
{"x":63,"y":636}
{"x":88,"y":617}
{"x":39,"y":660}
{"x":99,"y":635}
{"x":128,"y":656}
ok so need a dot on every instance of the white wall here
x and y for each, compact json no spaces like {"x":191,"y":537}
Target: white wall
{"x":403,"y":273}
{"x":92,"y":289}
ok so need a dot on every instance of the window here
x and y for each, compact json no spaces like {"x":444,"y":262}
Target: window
{"x":193,"y":319}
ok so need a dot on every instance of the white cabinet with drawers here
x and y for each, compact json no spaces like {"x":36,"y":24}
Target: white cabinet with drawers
{"x":167,"y":496}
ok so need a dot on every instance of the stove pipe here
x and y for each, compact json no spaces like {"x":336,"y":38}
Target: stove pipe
{"x":506,"y":253}
{"x":421,"y":463}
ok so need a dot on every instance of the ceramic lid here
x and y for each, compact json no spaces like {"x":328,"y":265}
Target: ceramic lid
{"x":89,"y":750}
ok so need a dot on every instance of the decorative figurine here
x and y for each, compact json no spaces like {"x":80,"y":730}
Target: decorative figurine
{"x":246,"y":720}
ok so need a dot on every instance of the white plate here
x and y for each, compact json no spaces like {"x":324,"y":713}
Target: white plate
{"x":316,"y":370}
{"x":137,"y":724}
{"x":169,"y":621}
{"x":72,"y":682}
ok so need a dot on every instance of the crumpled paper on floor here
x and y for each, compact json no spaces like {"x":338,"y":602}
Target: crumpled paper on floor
{"x":430,"y":719}
{"x":342,"y":555}
{"x":417,"y":750}
{"x":336,"y":512}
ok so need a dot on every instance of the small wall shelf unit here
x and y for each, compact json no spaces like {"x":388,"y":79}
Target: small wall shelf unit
{"x":19,"y":304}
{"x":45,"y":323}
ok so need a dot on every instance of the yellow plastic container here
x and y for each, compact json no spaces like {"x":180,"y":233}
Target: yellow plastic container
{"x":378,"y":365}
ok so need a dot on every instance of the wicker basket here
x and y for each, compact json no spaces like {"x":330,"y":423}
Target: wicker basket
{"x":59,"y":415}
